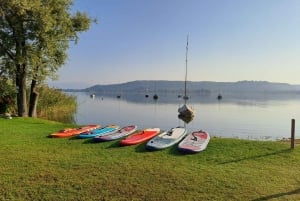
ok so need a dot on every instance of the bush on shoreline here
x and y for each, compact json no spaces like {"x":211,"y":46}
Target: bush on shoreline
{"x":55,"y":105}
{"x":7,"y":97}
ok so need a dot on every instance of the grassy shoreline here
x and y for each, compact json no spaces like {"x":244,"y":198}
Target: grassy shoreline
{"x":35,"y":167}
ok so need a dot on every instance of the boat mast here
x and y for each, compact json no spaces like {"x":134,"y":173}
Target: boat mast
{"x":186,"y":54}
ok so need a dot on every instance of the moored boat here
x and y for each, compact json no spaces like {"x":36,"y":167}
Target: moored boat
{"x":185,"y":110}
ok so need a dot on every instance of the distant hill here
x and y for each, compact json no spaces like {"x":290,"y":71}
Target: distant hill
{"x":203,"y":87}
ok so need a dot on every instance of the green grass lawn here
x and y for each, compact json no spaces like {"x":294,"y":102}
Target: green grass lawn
{"x":35,"y":167}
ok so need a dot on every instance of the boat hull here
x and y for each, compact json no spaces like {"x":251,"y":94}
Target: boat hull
{"x":186,"y":111}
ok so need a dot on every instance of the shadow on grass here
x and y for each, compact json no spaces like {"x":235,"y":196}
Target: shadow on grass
{"x":173,"y":150}
{"x":89,"y":141}
{"x":68,"y":138}
{"x":114,"y":144}
{"x":257,"y":156}
{"x":141,"y":148}
{"x":84,"y":140}
{"x":278,"y":195}
{"x":74,"y":138}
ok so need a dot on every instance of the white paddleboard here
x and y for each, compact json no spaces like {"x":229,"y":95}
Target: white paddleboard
{"x":166,"y":139}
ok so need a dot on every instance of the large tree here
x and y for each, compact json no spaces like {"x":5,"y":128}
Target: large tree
{"x":34,"y":38}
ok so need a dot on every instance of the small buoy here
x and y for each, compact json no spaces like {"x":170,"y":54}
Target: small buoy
{"x":219,"y":97}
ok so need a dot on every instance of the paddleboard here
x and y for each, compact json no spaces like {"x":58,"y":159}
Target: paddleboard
{"x":100,"y":131}
{"x":69,"y":132}
{"x":194,"y":142}
{"x":166,"y":139}
{"x":123,"y":132}
{"x":141,"y":136}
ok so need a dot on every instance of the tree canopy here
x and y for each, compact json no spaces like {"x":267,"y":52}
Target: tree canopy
{"x":34,"y":38}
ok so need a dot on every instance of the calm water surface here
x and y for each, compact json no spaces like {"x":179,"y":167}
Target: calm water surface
{"x":259,"y":117}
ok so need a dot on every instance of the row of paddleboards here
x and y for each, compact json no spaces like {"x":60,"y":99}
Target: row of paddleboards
{"x":156,"y":139}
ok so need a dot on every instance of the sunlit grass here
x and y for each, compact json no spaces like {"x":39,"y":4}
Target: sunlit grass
{"x":35,"y":167}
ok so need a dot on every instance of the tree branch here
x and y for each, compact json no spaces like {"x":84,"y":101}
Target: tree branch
{"x":11,"y":56}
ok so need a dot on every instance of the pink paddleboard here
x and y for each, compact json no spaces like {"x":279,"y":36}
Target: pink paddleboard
{"x":194,"y":142}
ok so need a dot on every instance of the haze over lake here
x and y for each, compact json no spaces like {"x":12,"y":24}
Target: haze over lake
{"x":247,"y":116}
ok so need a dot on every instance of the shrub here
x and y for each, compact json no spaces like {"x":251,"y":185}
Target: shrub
{"x":56,"y":105}
{"x":7,"y":96}
{"x":53,"y":104}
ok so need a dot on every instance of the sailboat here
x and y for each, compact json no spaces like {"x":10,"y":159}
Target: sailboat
{"x":185,"y":110}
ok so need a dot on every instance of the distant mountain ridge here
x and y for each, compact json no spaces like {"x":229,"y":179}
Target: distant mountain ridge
{"x":161,"y":86}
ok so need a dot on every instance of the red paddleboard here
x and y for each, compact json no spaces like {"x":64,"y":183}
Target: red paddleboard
{"x":194,"y":142}
{"x":141,"y":136}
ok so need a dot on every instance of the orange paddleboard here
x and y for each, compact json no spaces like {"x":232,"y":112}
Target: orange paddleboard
{"x":69,"y":132}
{"x":141,"y":136}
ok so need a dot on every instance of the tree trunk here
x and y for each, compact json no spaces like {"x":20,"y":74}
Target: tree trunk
{"x":20,"y":55}
{"x":21,"y":85}
{"x":34,"y":95}
{"x":21,"y":98}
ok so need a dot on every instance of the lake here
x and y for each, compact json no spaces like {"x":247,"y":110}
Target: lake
{"x":245,"y":116}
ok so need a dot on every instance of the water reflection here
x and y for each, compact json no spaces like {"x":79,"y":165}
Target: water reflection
{"x":264,"y":117}
{"x":186,"y":119}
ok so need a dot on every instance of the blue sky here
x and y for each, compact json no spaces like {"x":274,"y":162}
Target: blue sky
{"x":229,"y":40}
